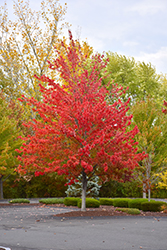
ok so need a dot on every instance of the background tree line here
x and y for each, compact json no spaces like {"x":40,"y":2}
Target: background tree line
{"x":22,"y":58}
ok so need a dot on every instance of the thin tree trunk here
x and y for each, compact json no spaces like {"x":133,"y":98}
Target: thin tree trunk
{"x":149,"y":194}
{"x":148,"y":172}
{"x":84,"y":187}
{"x":1,"y":188}
{"x":144,"y":195}
{"x":144,"y":190}
{"x":149,"y":190}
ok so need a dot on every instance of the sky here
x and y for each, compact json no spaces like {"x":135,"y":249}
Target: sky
{"x":134,"y":28}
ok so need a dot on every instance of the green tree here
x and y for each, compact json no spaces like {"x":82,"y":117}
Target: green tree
{"x":148,"y":82}
{"x":152,"y":139}
{"x":141,"y":79}
{"x":163,"y":88}
{"x":9,"y":141}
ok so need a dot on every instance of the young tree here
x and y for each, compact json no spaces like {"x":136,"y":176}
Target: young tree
{"x":162,"y":183}
{"x":9,"y":132}
{"x":79,"y":133}
{"x":152,"y":138}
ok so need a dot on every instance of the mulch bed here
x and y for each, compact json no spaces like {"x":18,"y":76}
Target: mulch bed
{"x":106,"y":211}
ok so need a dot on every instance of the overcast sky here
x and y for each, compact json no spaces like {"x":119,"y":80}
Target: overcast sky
{"x":135,"y":28}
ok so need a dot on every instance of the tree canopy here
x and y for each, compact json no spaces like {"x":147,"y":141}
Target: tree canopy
{"x":79,"y":133}
{"x":152,"y":138}
{"x":140,"y":79}
{"x":9,"y":142}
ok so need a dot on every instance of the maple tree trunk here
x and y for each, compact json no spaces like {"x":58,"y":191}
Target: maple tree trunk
{"x":144,"y":190}
{"x":149,"y":194}
{"x":149,"y":190}
{"x":84,"y":187}
{"x":144,"y":194}
{"x":148,"y":180}
{"x":1,"y":188}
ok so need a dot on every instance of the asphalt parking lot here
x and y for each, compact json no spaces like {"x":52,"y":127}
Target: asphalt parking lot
{"x":36,"y":228}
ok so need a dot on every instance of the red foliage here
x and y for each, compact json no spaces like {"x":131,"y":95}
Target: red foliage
{"x":165,"y":110}
{"x":78,"y":130}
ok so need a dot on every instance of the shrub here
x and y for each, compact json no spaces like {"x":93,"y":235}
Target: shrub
{"x":19,"y":201}
{"x":111,"y":189}
{"x":122,"y":209}
{"x":48,"y":185}
{"x":71,"y":201}
{"x":129,"y":210}
{"x":136,"y":203}
{"x":93,"y":187}
{"x":121,"y":202}
{"x":133,"y":211}
{"x":52,"y":201}
{"x":164,"y":208}
{"x":119,"y":189}
{"x":152,"y":206}
{"x":106,"y":201}
{"x":90,"y":202}
{"x":132,"y":189}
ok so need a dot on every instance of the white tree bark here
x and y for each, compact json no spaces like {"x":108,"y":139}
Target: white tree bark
{"x":144,"y":190}
{"x":84,"y":187}
{"x":144,"y":194}
{"x":149,"y":194}
{"x":148,"y":173}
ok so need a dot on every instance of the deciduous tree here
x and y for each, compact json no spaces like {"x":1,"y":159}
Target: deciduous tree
{"x":140,"y":78}
{"x":152,"y":138}
{"x":9,"y":141}
{"x":79,"y":133}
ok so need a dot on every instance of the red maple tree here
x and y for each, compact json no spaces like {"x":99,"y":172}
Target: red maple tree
{"x":77,"y":131}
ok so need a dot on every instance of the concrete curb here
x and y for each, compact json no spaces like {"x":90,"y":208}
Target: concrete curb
{"x":4,"y":248}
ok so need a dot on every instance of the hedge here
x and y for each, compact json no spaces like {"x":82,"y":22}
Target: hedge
{"x":19,"y":200}
{"x":152,"y":206}
{"x":106,"y":201}
{"x":71,"y":201}
{"x":52,"y":201}
{"x":90,"y":202}
{"x":121,"y":202}
{"x":136,"y":203}
{"x":129,"y":210}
